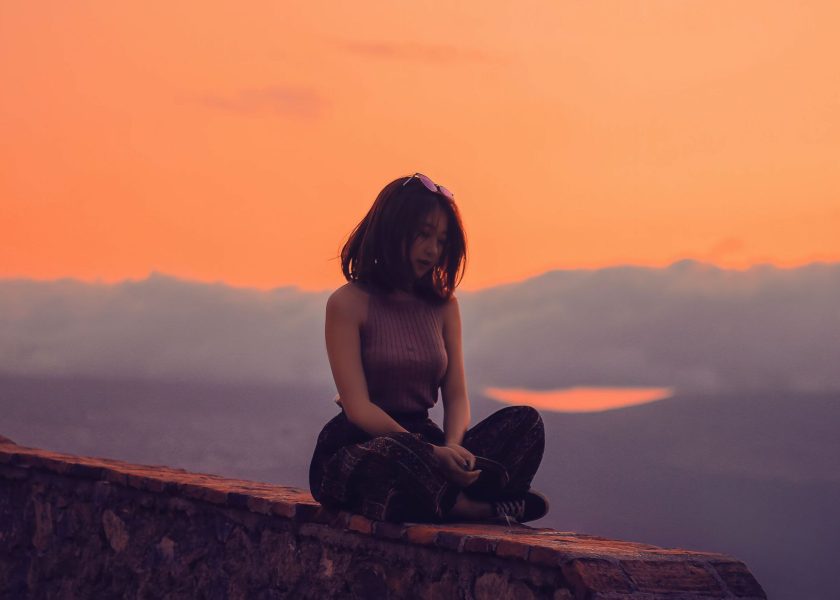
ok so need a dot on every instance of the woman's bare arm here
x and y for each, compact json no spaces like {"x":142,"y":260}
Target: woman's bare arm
{"x":344,"y":351}
{"x":456,"y":404}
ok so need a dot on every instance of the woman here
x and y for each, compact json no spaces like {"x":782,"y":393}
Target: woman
{"x":393,"y":336}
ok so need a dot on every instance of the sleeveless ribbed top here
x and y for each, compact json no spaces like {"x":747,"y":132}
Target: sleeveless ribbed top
{"x":403,"y":352}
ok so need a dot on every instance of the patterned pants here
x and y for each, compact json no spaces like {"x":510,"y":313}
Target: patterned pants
{"x":394,"y":477}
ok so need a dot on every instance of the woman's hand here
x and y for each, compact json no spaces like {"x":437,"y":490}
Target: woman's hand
{"x":466,"y":456}
{"x":455,"y":468}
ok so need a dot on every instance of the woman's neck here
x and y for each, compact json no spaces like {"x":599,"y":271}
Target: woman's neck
{"x":402,"y":294}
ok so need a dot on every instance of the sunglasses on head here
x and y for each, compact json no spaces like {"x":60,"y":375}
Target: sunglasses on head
{"x":430,"y":185}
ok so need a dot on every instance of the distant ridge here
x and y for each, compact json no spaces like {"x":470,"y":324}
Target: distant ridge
{"x":690,"y":326}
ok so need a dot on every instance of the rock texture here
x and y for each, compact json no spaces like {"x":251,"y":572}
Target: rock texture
{"x":74,"y":526}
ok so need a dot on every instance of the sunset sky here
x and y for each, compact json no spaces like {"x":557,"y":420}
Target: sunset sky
{"x":242,"y":142}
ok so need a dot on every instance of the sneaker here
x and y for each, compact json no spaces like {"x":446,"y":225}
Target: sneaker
{"x":532,"y":505}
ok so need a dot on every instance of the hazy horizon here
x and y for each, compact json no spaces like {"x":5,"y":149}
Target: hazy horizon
{"x":688,"y":327}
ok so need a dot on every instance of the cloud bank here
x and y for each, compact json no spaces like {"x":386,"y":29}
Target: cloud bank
{"x":691,"y":326}
{"x":273,"y":100}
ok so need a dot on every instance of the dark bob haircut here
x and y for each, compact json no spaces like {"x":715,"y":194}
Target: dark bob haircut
{"x":376,"y":254}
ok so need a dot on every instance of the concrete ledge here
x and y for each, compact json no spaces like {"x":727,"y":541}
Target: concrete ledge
{"x":169,"y":531}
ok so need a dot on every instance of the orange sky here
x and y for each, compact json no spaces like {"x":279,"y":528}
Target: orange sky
{"x":242,"y":142}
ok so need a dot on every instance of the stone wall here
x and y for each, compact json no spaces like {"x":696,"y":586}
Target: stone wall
{"x":79,"y":527}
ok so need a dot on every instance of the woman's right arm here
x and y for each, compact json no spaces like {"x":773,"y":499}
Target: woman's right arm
{"x":344,"y":352}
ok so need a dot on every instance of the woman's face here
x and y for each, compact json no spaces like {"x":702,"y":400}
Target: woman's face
{"x":427,"y":247}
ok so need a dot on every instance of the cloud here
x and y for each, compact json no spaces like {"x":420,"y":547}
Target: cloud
{"x":276,"y":100}
{"x":413,"y":51}
{"x":692,"y":326}
{"x":160,"y":328}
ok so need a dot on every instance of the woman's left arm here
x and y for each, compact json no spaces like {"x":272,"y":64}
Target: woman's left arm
{"x":456,"y":404}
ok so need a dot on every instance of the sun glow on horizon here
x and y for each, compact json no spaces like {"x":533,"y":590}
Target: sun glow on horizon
{"x":581,"y":398}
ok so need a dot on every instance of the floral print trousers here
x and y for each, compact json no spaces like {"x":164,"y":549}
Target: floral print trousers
{"x":395,"y":477}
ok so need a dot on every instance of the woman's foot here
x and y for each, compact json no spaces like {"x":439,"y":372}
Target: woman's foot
{"x":532,"y":505}
{"x":467,"y":509}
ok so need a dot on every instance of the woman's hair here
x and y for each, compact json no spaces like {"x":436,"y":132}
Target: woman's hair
{"x":376,"y":254}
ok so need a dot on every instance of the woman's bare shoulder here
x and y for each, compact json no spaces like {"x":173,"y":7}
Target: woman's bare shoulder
{"x":450,"y":310}
{"x":352,"y":292}
{"x":351,"y":298}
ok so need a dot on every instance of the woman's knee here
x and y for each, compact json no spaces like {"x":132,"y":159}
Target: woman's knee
{"x":525,"y":413}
